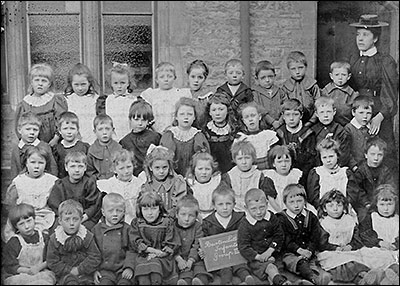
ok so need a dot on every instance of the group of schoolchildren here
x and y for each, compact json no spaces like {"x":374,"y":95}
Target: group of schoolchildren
{"x":119,"y":189}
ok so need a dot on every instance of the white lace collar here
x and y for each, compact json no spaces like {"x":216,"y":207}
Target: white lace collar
{"x":184,"y":135}
{"x":295,"y":130}
{"x":219,"y":130}
{"x":68,"y":145}
{"x":38,"y":100}
{"x":61,"y":236}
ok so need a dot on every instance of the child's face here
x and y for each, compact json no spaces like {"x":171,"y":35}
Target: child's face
{"x":292,"y":118}
{"x":362,"y":115}
{"x":196,"y":79}
{"x":80,"y":84}
{"x":113,"y":212}
{"x":75,"y":170}
{"x":295,"y":203}
{"x":150,"y":214}
{"x":40,"y":85}
{"x":325,"y":114}
{"x":374,"y":156}
{"x":234,"y":74}
{"x":70,"y":222}
{"x":266,"y":78}
{"x":29,"y":133}
{"x":329,"y":158}
{"x":297,"y":70}
{"x":386,"y":208}
{"x":165,"y":80}
{"x":340,"y":76}
{"x":244,"y":161}
{"x":282,"y":165}
{"x":104,"y":132}
{"x":124,"y":170}
{"x":334,"y":209}
{"x":185,"y":117}
{"x":203,"y":171}
{"x":218,"y":113}
{"x":160,"y":169}
{"x":119,"y":83}
{"x":186,"y":216}
{"x":35,"y":165}
{"x":251,"y":118}
{"x":224,"y":205}
{"x":69,"y":131}
{"x":26,"y":226}
{"x":257,"y":209}
{"x":138,"y":124}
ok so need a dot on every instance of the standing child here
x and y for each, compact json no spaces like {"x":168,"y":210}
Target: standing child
{"x":302,"y":235}
{"x":112,"y":237}
{"x":340,"y":91}
{"x":245,"y":174}
{"x":42,"y":101}
{"x":267,"y":94}
{"x":72,"y":253}
{"x":99,"y":158}
{"x":237,"y":90}
{"x":191,"y":268}
{"x":220,"y":130}
{"x":68,"y":127}
{"x":340,"y":239}
{"x":24,"y":256}
{"x":33,"y":187}
{"x":141,"y":135}
{"x":82,"y":99}
{"x":161,"y":177}
{"x":78,"y":186}
{"x":261,"y":138}
{"x":28,"y":128}
{"x":164,"y":98}
{"x":260,"y":236}
{"x":225,"y":219}
{"x":282,"y":174}
{"x":155,"y":241}
{"x":117,"y":104}
{"x":124,"y":183}
{"x":299,"y":85}
{"x":203,"y":178}
{"x":184,"y":139}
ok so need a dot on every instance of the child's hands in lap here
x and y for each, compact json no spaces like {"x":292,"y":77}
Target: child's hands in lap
{"x":127,"y":273}
{"x":201,"y":253}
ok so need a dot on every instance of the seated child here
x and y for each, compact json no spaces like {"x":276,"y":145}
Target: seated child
{"x":124,"y":182}
{"x":112,"y":237}
{"x":302,"y":233}
{"x":245,"y":175}
{"x":260,"y":236}
{"x":225,"y":219}
{"x":78,"y":186}
{"x":99,"y":157}
{"x":191,"y":268}
{"x":24,"y":255}
{"x":72,"y":252}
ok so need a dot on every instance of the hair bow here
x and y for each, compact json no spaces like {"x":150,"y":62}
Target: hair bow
{"x":154,"y":147}
{"x":119,"y":64}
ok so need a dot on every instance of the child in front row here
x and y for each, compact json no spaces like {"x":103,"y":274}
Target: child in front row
{"x":260,"y":237}
{"x":302,"y":233}
{"x":225,"y":219}
{"x":24,"y":255}
{"x":155,"y":242}
{"x":191,"y":268}
{"x":112,"y":237}
{"x":72,"y":253}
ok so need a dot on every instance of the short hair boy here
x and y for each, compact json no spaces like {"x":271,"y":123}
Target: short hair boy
{"x":302,"y":234}
{"x":68,"y":127}
{"x":100,"y":153}
{"x":78,"y":186}
{"x":28,"y":127}
{"x":111,"y":234}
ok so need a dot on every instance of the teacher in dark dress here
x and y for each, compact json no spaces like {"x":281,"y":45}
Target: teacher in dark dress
{"x":375,"y":75}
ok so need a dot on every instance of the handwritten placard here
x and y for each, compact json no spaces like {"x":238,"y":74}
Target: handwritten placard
{"x":221,"y":251}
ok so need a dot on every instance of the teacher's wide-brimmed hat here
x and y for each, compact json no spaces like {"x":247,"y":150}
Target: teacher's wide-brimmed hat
{"x":369,"y":21}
